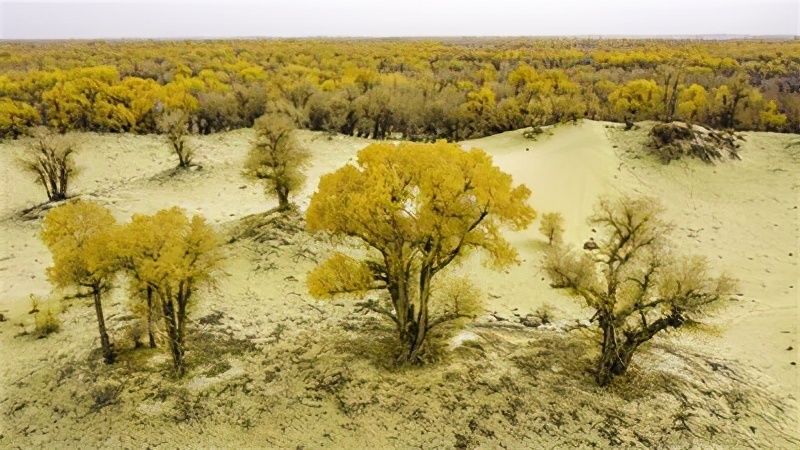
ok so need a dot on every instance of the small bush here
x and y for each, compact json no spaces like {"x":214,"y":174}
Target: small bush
{"x":46,"y":322}
{"x":34,"y":304}
{"x":533,"y":132}
{"x":544,"y":313}
{"x":105,"y":394}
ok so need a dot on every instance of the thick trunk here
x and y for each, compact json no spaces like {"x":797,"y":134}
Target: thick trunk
{"x":417,"y":349}
{"x":105,"y":343}
{"x":283,"y":197}
{"x":175,"y":345}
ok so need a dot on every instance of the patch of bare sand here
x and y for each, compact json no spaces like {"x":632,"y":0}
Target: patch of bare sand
{"x":272,"y":367}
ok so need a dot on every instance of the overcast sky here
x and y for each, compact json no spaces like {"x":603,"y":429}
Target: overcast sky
{"x":292,"y":18}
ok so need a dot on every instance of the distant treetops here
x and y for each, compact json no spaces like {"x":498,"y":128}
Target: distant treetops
{"x":412,"y":89}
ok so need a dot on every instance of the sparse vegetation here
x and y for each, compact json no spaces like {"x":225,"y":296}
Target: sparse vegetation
{"x":49,"y":160}
{"x":633,"y":282}
{"x":417,"y":208}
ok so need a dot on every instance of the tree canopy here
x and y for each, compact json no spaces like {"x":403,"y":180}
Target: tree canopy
{"x":417,"y":89}
{"x":417,"y":208}
{"x":82,"y":238}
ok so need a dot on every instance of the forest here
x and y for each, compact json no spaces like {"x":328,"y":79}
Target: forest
{"x":411,"y":89}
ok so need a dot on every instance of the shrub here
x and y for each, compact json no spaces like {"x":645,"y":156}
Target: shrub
{"x":49,"y":160}
{"x":46,"y":321}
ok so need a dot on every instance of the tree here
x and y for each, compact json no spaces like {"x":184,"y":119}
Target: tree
{"x":81,"y":236}
{"x":16,"y":118}
{"x":552,"y":227}
{"x":636,"y":287}
{"x":417,"y":208}
{"x":692,"y":101}
{"x":771,"y":118}
{"x":636,"y":99}
{"x":49,"y":159}
{"x":277,"y":157}
{"x":144,"y":303}
{"x":175,"y":126}
{"x":174,"y":256}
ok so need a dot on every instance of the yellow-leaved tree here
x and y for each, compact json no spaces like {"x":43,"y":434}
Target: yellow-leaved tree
{"x":417,"y":208}
{"x":277,"y":157}
{"x":173,"y":255}
{"x":81,"y":236}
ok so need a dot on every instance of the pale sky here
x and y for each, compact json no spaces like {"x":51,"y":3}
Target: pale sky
{"x":59,"y":19}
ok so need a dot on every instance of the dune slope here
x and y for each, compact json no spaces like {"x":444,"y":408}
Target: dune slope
{"x":270,"y":366}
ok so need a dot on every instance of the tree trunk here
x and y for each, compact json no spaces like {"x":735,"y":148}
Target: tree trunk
{"x":623,"y":360}
{"x":418,"y":346}
{"x":150,"y":331}
{"x":176,"y":349}
{"x":283,"y":197}
{"x":608,"y":354}
{"x":105,"y":343}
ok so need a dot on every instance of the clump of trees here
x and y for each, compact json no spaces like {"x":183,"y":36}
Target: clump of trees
{"x":634,"y":283}
{"x":50,"y":160}
{"x":174,"y":256}
{"x":277,"y":157}
{"x":81,"y":237}
{"x":168,"y":257}
{"x":417,"y":208}
{"x":174,"y":125}
{"x":552,"y":227}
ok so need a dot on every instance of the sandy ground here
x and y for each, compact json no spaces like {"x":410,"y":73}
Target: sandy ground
{"x":269,"y":366}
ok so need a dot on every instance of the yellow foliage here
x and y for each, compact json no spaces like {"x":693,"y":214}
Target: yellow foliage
{"x":637,"y":97}
{"x":277,"y":157}
{"x":16,"y":118}
{"x":82,"y":237}
{"x":415,"y":193}
{"x":168,"y":249}
{"x":340,"y":274}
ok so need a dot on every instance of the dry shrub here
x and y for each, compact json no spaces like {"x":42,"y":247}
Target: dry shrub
{"x":50,"y":161}
{"x":672,"y":141}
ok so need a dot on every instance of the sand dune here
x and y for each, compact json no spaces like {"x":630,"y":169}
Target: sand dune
{"x":742,"y":215}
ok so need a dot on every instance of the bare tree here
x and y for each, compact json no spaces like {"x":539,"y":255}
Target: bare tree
{"x":175,"y":126}
{"x":636,"y":287}
{"x":49,"y":159}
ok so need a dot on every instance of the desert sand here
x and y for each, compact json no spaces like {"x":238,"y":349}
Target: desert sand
{"x":270,"y":366}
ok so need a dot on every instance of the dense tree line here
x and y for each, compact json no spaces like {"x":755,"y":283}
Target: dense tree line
{"x":416,"y":89}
